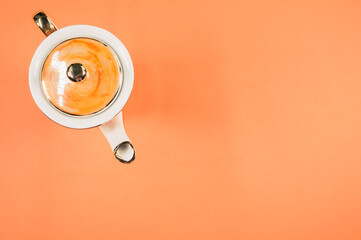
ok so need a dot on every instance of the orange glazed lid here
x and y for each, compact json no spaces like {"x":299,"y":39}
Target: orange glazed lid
{"x":81,"y":76}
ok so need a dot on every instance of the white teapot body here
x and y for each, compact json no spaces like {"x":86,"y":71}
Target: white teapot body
{"x":110,"y":118}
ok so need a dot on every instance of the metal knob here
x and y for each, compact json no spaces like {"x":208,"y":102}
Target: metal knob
{"x":76,"y":72}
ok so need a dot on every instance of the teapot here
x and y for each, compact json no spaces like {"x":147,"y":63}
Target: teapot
{"x":81,"y":77}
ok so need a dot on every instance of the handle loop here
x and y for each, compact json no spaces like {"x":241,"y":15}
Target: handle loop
{"x":44,"y":23}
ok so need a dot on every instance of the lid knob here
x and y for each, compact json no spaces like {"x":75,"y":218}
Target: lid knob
{"x":76,"y":72}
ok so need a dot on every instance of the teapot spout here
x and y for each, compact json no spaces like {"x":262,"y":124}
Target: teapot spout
{"x":119,"y":141}
{"x":124,"y":152}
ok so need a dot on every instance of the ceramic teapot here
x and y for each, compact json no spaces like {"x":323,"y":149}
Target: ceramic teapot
{"x":81,"y":76}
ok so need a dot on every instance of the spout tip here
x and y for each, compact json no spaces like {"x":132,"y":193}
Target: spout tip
{"x":124,"y":152}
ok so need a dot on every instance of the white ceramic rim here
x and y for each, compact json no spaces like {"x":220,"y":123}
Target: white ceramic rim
{"x":78,"y":31}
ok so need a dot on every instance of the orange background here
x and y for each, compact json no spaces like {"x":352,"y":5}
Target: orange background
{"x":246,"y":118}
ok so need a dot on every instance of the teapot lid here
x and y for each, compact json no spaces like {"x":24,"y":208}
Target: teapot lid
{"x":81,"y":76}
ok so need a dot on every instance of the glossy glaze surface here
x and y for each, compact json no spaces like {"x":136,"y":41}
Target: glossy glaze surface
{"x":95,"y":91}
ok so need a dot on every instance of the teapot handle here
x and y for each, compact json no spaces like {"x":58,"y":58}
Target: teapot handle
{"x":44,"y":23}
{"x":115,"y":134}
